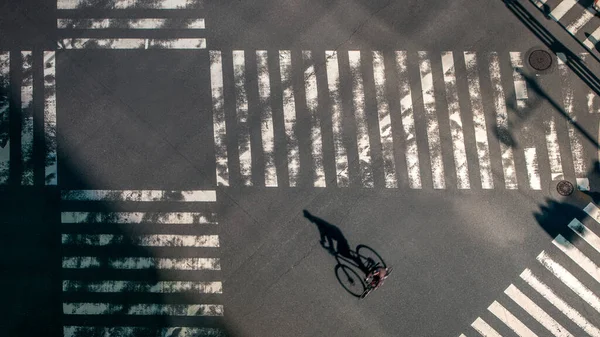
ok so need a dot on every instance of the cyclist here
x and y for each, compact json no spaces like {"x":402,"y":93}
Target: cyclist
{"x":376,"y":277}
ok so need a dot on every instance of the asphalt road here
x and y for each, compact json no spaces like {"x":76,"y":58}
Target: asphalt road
{"x":146,"y":120}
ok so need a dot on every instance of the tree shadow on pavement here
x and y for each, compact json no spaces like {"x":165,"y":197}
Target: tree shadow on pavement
{"x":352,"y":265}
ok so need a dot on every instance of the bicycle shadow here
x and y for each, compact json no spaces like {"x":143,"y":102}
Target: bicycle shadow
{"x":363,"y":258}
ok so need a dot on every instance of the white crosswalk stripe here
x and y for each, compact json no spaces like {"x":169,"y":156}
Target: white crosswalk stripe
{"x":575,"y":278}
{"x":339,"y":111}
{"x":121,"y":263}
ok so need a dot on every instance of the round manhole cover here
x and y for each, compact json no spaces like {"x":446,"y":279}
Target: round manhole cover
{"x":565,"y":188}
{"x":540,"y":60}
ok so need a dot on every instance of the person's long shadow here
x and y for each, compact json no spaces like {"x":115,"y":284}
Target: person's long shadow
{"x":363,"y":258}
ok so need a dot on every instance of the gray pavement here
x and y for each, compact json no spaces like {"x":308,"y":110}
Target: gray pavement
{"x":245,"y":261}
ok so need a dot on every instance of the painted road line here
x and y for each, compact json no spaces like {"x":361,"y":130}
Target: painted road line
{"x":385,"y":121}
{"x":518,"y":80}
{"x":86,"y":262}
{"x":484,"y":329}
{"x":4,"y":112}
{"x":553,"y":146}
{"x":166,"y":287}
{"x":341,"y":153}
{"x":569,"y":280}
{"x":533,"y":173}
{"x":586,"y":16}
{"x":481,"y":138}
{"x":131,"y":331}
{"x":219,"y":125}
{"x":171,"y":23}
{"x":143,"y":309}
{"x":508,"y":162}
{"x":433,"y":133}
{"x":312,"y":105}
{"x":156,"y":240}
{"x":408,"y":121}
{"x":139,"y":195}
{"x":266,"y":125}
{"x":180,"y":218}
{"x":590,"y":237}
{"x":559,"y":303}
{"x":592,"y":211}
{"x":289,"y":116}
{"x":50,"y":117}
{"x":137,"y":4}
{"x":241,"y":108}
{"x":456,"y":125}
{"x":536,"y":312}
{"x":577,"y":256}
{"x":133,"y":43}
{"x":569,"y":106}
{"x":592,"y":40}
{"x":360,"y":116}
{"x":562,"y":9}
{"x":26,"y":118}
{"x":510,"y":320}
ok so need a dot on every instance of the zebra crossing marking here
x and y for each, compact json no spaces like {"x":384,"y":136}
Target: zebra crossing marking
{"x":26,"y":118}
{"x":157,"y":240}
{"x":561,"y":273}
{"x":87,"y":262}
{"x":147,"y":23}
{"x":385,"y":121}
{"x":358,"y":100}
{"x":510,"y":320}
{"x":266,"y":118}
{"x":123,"y":4}
{"x":4,"y":116}
{"x":142,"y":309}
{"x":559,"y":303}
{"x":536,"y":312}
{"x":133,"y":43}
{"x":341,"y":153}
{"x":312,"y":104}
{"x":484,"y":329}
{"x":75,"y":331}
{"x":51,"y":174}
{"x":568,"y":93}
{"x":433,"y":133}
{"x":479,"y":123}
{"x":563,"y":7}
{"x":408,"y":121}
{"x":456,"y":124}
{"x":77,"y":237}
{"x":241,"y":109}
{"x":219,"y":126}
{"x":116,"y":286}
{"x":139,"y":195}
{"x":506,"y":151}
{"x":289,"y":115}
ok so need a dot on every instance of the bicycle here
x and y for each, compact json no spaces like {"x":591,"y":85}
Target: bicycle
{"x":369,"y":285}
{"x":365,"y":259}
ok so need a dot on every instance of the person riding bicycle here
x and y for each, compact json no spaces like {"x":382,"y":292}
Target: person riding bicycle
{"x":376,"y":277}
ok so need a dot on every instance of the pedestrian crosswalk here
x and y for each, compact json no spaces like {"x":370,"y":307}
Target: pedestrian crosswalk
{"x":78,"y":30}
{"x":140,"y":273}
{"x":370,"y":111}
{"x":557,"y":297}
{"x":578,"y":18}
